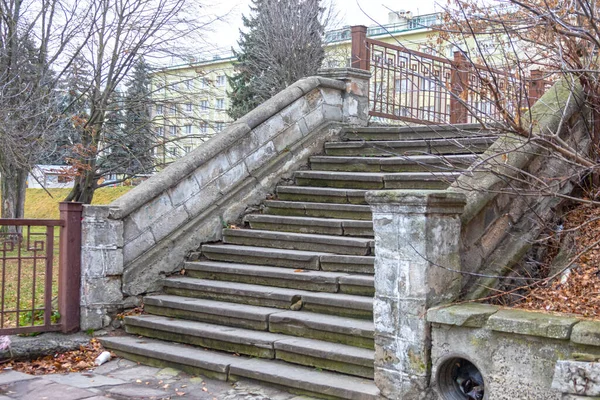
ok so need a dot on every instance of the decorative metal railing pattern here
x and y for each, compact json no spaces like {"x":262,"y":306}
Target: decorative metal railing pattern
{"x":421,"y":88}
{"x":40,"y":273}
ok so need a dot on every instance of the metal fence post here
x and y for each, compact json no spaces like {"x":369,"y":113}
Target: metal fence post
{"x":459,"y":82}
{"x":69,"y":273}
{"x":360,"y":53}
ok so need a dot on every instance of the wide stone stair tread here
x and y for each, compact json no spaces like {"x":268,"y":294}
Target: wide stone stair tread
{"x":299,"y":241}
{"x":377,"y":180}
{"x":322,"y":210}
{"x":263,"y":318}
{"x":344,"y":304}
{"x":322,"y":195}
{"x":390,"y":148}
{"x":415,"y":163}
{"x":413,"y":132}
{"x":230,"y":367}
{"x":255,"y":343}
{"x":297,"y":259}
{"x":331,"y":226}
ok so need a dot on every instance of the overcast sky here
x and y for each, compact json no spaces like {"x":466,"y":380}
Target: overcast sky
{"x":225,"y":34}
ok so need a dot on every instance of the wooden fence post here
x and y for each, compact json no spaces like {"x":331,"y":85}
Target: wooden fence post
{"x":69,"y":272}
{"x":360,"y":52}
{"x":459,"y":82}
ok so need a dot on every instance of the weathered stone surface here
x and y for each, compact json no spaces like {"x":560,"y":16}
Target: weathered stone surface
{"x":586,"y":332}
{"x":100,"y":291}
{"x":473,"y":315}
{"x":532,"y":323}
{"x":579,"y":378}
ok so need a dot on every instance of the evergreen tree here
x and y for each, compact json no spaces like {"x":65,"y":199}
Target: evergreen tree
{"x":282,"y":43}
{"x":129,"y":134}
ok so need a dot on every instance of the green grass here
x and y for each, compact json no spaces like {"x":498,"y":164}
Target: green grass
{"x":38,"y":205}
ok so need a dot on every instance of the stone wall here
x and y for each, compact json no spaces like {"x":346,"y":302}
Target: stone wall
{"x":520,"y":354}
{"x":503,"y":216}
{"x":131,"y":244}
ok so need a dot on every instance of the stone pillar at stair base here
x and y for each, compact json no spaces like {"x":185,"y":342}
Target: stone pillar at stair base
{"x":417,"y":253}
{"x":355,"y":110}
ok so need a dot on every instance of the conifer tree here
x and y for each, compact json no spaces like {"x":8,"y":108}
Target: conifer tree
{"x":282,"y":43}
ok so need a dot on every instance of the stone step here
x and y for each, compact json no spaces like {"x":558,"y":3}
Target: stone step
{"x":419,"y":163}
{"x":318,"y":281}
{"x":309,"y":352}
{"x":296,"y":379}
{"x":296,"y":259}
{"x":328,"y":303}
{"x":354,"y":332}
{"x":299,"y":241}
{"x":412,"y":132}
{"x":322,"y":226}
{"x":395,"y":148}
{"x":320,"y":210}
{"x":377,"y":180}
{"x":321,"y":195}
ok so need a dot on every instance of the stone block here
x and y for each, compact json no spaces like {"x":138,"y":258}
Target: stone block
{"x":169,"y":223}
{"x":184,"y":190}
{"x":268,"y":129}
{"x":285,"y":139}
{"x":313,"y":119}
{"x":532,"y":323}
{"x":578,"y":378}
{"x":130,"y":230}
{"x":97,"y":262}
{"x":133,"y":249}
{"x":146,"y":215}
{"x":495,"y":233}
{"x":292,"y":113}
{"x":385,"y":315}
{"x":332,"y":113}
{"x":102,"y":291}
{"x":331,"y":96}
{"x":240,"y":149}
{"x":101,"y":232}
{"x":232,"y":178}
{"x":260,"y":157}
{"x":204,"y":200}
{"x":91,"y":318}
{"x":586,"y":332}
{"x":212,"y":169}
{"x":473,"y":315}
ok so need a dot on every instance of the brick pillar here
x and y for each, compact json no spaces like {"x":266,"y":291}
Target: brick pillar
{"x":355,"y":109}
{"x":360,"y":51}
{"x":459,"y":82}
{"x":416,"y":234}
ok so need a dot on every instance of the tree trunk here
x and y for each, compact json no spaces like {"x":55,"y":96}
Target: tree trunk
{"x":13,"y":184}
{"x":84,"y":188}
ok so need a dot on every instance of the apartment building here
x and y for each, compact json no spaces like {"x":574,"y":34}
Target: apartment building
{"x":191,"y":98}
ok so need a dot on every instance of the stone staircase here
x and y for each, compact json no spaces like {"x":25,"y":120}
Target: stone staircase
{"x":287,"y":299}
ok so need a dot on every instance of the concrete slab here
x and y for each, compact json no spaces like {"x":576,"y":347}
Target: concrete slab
{"x":84,"y":381}
{"x":9,"y":376}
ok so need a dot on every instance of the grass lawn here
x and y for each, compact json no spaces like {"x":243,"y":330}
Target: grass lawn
{"x":30,"y":291}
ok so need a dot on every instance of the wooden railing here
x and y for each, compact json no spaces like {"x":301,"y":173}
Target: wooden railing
{"x":421,"y":88}
{"x":40,"y":273}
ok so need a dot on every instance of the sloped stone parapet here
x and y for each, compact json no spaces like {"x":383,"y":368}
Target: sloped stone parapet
{"x":155,"y":225}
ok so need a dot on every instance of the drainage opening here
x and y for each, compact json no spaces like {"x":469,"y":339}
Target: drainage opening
{"x":459,"y":379}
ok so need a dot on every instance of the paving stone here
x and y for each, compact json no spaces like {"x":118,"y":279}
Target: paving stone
{"x":137,"y":392}
{"x":41,"y":389}
{"x":114,"y":365}
{"x":138,"y":372}
{"x":168,"y":372}
{"x":83,"y":381}
{"x":10,"y":376}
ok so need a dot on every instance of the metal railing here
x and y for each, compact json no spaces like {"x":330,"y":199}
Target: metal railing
{"x":421,"y":88}
{"x":40,"y":273}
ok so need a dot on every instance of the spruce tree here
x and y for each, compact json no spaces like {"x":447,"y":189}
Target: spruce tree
{"x":282,"y":43}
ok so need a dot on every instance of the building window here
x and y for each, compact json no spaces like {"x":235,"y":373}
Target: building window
{"x":173,"y":131}
{"x":187,"y":149}
{"x":160,"y":131}
{"x":189,"y":107}
{"x":171,"y":109}
{"x":401,"y":85}
{"x":159,"y":109}
{"x":174,"y":151}
{"x":175,"y":85}
{"x":219,"y":126}
{"x":187,"y":129}
{"x":203,"y":83}
{"x":220,"y":105}
{"x":203,"y":105}
{"x":189,"y":84}
{"x":203,"y":127}
{"x":221,"y":80}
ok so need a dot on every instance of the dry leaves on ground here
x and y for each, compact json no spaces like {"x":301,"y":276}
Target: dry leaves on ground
{"x":580,"y":292}
{"x":71,"y":361}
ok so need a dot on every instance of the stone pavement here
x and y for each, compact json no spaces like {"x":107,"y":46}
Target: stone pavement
{"x":123,"y":380}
